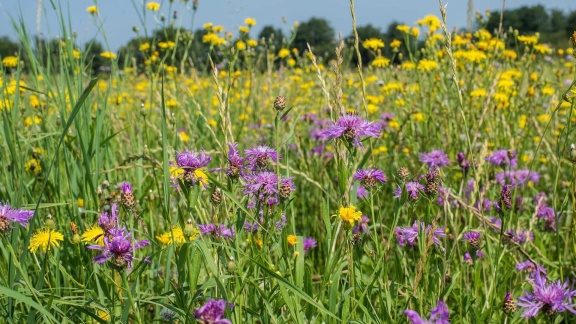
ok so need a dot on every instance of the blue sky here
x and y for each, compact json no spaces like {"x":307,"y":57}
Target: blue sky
{"x":119,"y":16}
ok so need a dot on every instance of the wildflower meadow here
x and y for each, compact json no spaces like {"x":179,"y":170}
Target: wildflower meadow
{"x":432,"y":183}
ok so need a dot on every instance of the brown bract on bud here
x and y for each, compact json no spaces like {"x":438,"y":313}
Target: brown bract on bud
{"x":279,"y":103}
{"x":216,"y":197}
{"x":403,"y":173}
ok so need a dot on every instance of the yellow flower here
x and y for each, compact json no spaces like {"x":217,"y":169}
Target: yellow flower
{"x":92,"y":10}
{"x":201,"y":177}
{"x":10,"y":61}
{"x":175,"y":236}
{"x":403,"y":28}
{"x":419,"y":117}
{"x":252,"y":43}
{"x":93,"y":234}
{"x":478,"y":93}
{"x":544,"y":118}
{"x":408,"y":65}
{"x":510,"y":54}
{"x":548,"y":91}
{"x":241,"y":45}
{"x":283,"y":53}
{"x":144,"y":47}
{"x":108,"y":55}
{"x":153,"y":6}
{"x":415,"y":32}
{"x":431,"y":21}
{"x":542,"y":49}
{"x":250,"y":21}
{"x":522,"y":121}
{"x":33,"y":165}
{"x":427,"y":65}
{"x":380,"y":62}
{"x":349,"y":214}
{"x":395,"y":43}
{"x":292,"y":239}
{"x":528,"y":40}
{"x":373,"y":43}
{"x":184,"y":137}
{"x":243,"y":29}
{"x":104,"y":315}
{"x":45,"y":239}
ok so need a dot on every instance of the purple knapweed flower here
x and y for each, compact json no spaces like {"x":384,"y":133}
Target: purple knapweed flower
{"x":362,"y":226}
{"x":439,"y":315}
{"x":264,"y":187}
{"x":212,"y":312}
{"x":517,"y":178}
{"x":126,"y":187}
{"x":361,"y":192}
{"x":505,"y":197}
{"x":480,"y":254}
{"x":109,"y":220}
{"x":235,"y":162}
{"x":409,"y":235}
{"x":192,"y":160}
{"x":473,"y":238}
{"x":251,"y":227}
{"x":8,"y":215}
{"x":467,"y":257}
{"x":370,"y":178}
{"x":118,"y":246}
{"x":530,"y":267}
{"x":258,"y":156}
{"x":309,"y":243}
{"x":413,"y":189}
{"x":462,"y":162}
{"x":436,"y":158}
{"x":352,"y":129}
{"x":550,"y":297}
{"x":217,"y":231}
{"x":503,"y":158}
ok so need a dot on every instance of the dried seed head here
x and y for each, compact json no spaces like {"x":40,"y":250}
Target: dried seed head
{"x":5,"y":227}
{"x":128,"y":200}
{"x":285,"y":191}
{"x":279,"y":103}
{"x":216,"y":196}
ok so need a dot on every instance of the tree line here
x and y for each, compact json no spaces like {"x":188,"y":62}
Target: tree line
{"x":554,"y":27}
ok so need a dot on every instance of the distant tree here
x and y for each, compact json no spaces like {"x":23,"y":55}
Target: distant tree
{"x":273,"y":36}
{"x":8,"y":47}
{"x":319,"y":34}
{"x":526,"y":19}
{"x":570,"y":23}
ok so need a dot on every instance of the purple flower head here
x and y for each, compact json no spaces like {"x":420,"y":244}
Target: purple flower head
{"x":473,"y":238}
{"x":397,"y":192}
{"x":370,"y":177}
{"x":413,"y":189}
{"x":258,"y":157}
{"x":548,"y":215}
{"x":497,"y":222}
{"x":108,"y":221}
{"x":217,"y":231}
{"x":235,"y":162}
{"x":550,"y":297}
{"x":530,"y":267}
{"x":9,"y":214}
{"x":517,"y":178}
{"x":118,"y":246}
{"x":435,"y":158}
{"x":192,"y":160}
{"x":352,"y":129}
{"x":480,"y":254}
{"x":264,"y":187}
{"x":361,"y":192}
{"x":503,"y":158}
{"x":126,"y":187}
{"x":281,"y":223}
{"x":409,"y":235}
{"x":212,"y":312}
{"x":462,"y":162}
{"x":467,"y":257}
{"x":362,"y":226}
{"x":309,"y":243}
{"x":439,"y":315}
{"x":251,"y":227}
{"x":505,"y":197}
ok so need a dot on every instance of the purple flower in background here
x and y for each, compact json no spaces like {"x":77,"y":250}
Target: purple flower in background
{"x":469,"y":188}
{"x":118,"y":246}
{"x":281,"y":223}
{"x":473,"y":238}
{"x":435,"y":158}
{"x":413,"y":189}
{"x":309,"y":243}
{"x":467,"y":257}
{"x":503,"y":158}
{"x":409,"y":235}
{"x":370,"y":177}
{"x":235,"y":161}
{"x":439,"y":315}
{"x":505,"y":197}
{"x":438,"y":233}
{"x":529,"y":266}
{"x":362,"y":226}
{"x":212,"y":312}
{"x":264,"y":187}
{"x":108,"y":221}
{"x":462,"y":162}
{"x":397,"y":192}
{"x":351,"y":128}
{"x":9,"y":214}
{"x":217,"y":231}
{"x":497,"y":222}
{"x":258,"y":157}
{"x":126,"y":187}
{"x":550,"y":297}
{"x":517,"y":178}
{"x":361,"y":192}
{"x":480,"y":254}
{"x":251,"y":227}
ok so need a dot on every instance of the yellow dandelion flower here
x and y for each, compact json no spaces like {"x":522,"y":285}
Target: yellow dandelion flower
{"x":10,"y":61}
{"x":415,"y":32}
{"x":240,"y":45}
{"x":252,"y":43}
{"x":207,"y":25}
{"x":33,"y":165}
{"x":547,"y":91}
{"x":108,"y":55}
{"x":292,"y":239}
{"x":243,"y":29}
{"x":528,"y":40}
{"x":45,"y":239}
{"x":395,"y":43}
{"x":184,"y":137}
{"x":478,"y":93}
{"x":92,"y":10}
{"x":250,"y":21}
{"x":153,"y":6}
{"x":94,"y":234}
{"x":427,"y":65}
{"x":522,"y":121}
{"x":349,"y":214}
{"x":408,"y":66}
{"x":403,"y":28}
{"x":175,"y":236}
{"x":380,"y":62}
{"x":373,"y":43}
{"x":283,"y":53}
{"x":144,"y":47}
{"x":544,"y":118}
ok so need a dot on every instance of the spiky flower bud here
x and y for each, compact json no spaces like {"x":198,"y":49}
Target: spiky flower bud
{"x":285,"y":190}
{"x":509,"y":305}
{"x":49,"y":222}
{"x":231,"y":267}
{"x":505,"y":197}
{"x":403,"y":173}
{"x":216,"y":197}
{"x":279,"y":103}
{"x":189,"y":228}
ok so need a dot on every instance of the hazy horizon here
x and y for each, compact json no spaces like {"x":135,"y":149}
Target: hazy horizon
{"x":119,"y":17}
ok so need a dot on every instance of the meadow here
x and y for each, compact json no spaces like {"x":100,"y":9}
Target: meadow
{"x":277,"y":187}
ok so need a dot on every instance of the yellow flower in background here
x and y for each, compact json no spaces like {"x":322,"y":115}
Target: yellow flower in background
{"x":283,"y":53}
{"x":478,"y":93}
{"x":403,"y":28}
{"x":175,"y":236}
{"x":153,"y":6}
{"x":544,"y":118}
{"x":395,"y":43}
{"x":33,"y":165}
{"x":94,"y":234}
{"x":373,"y":44}
{"x":380,"y":62}
{"x":44,"y":239}
{"x":349,"y":214}
{"x":431,"y":21}
{"x":408,"y":65}
{"x":542,"y":49}
{"x":510,"y":54}
{"x":415,"y":32}
{"x":243,"y":29}
{"x":10,"y":61}
{"x":522,"y":121}
{"x":252,"y":43}
{"x":292,"y":239}
{"x":240,"y":45}
{"x":419,"y":117}
{"x":92,"y":10}
{"x":250,"y":21}
{"x":547,"y":91}
{"x":108,"y":55}
{"x":103,"y":315}
{"x":184,"y":137}
{"x":528,"y":40}
{"x":427,"y":65}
